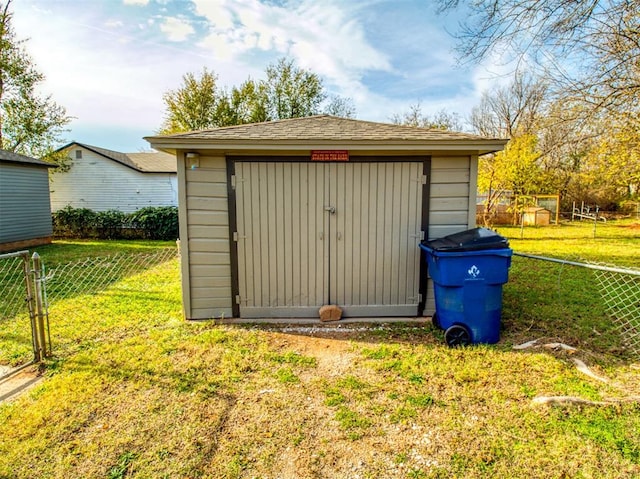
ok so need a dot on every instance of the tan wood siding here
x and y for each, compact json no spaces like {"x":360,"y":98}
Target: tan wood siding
{"x":185,"y":271}
{"x":452,"y":189}
{"x":473,"y":189}
{"x":207,"y":230}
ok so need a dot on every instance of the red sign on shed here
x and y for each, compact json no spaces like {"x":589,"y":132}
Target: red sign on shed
{"x":329,"y":155}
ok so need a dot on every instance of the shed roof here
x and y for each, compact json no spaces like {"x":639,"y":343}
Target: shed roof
{"x":146,"y":162}
{"x":326,"y":130}
{"x":11,"y":157}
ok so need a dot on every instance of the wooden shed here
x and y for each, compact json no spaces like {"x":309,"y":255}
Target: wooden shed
{"x":280,"y":218}
{"x":537,"y":216}
{"x":25,"y":207}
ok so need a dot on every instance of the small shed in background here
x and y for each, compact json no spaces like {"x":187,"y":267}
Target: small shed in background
{"x":25,"y":208}
{"x":280,"y":218}
{"x":536,"y":216}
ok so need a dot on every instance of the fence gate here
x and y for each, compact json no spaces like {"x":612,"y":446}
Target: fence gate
{"x":24,"y":321}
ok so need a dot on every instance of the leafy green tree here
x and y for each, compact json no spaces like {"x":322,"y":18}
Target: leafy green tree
{"x":30,"y":124}
{"x":340,"y":106}
{"x":292,"y":92}
{"x":287,"y":92}
{"x":611,"y":169}
{"x":515,"y":171}
{"x":195,"y":105}
{"x":564,"y":140}
{"x":245,"y":104}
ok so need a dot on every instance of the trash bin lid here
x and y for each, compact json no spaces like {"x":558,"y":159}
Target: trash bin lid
{"x":475,"y":239}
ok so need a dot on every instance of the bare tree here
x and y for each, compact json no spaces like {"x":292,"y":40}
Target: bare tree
{"x":441,"y":120}
{"x":508,"y":110}
{"x":591,"y":48}
{"x":513,"y":111}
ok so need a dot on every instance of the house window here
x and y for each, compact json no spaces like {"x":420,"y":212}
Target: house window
{"x":78,"y":154}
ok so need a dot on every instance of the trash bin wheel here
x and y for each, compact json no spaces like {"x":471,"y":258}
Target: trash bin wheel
{"x":435,"y":321}
{"x":457,"y":335}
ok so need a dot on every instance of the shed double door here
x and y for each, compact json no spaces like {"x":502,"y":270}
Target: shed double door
{"x":310,"y":234}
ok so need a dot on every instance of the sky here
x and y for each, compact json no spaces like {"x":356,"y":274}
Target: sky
{"x":108,"y":62}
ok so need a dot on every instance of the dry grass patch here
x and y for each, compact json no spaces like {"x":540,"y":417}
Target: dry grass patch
{"x":199,"y":400}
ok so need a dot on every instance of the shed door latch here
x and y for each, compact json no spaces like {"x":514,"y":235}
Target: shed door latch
{"x":330,"y":209}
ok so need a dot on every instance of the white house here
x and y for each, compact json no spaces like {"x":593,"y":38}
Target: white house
{"x":101,"y":179}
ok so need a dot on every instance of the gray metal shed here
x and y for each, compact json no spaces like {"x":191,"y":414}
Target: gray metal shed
{"x":25,"y":207}
{"x":280,"y":218}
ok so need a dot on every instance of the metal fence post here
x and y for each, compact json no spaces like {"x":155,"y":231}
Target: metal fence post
{"x":30,"y":300}
{"x":41,"y":345}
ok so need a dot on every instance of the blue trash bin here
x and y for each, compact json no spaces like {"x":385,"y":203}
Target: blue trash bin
{"x":468,"y":270}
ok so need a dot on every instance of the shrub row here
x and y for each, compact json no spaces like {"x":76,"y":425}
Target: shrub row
{"x":152,"y":222}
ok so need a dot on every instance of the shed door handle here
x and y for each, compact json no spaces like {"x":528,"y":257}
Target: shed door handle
{"x":330,"y":209}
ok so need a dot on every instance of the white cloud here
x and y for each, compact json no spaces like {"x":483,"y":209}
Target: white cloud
{"x":218,"y":13}
{"x":136,"y":2}
{"x":95,"y":77}
{"x":113,"y":69}
{"x":113,"y":24}
{"x":320,"y":37}
{"x":176,"y":29}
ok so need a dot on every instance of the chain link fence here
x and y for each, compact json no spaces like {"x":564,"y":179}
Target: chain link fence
{"x":13,"y":296}
{"x":620,"y":289}
{"x":614,"y":290}
{"x":22,"y":279}
{"x":16,"y":312}
{"x":92,"y":275}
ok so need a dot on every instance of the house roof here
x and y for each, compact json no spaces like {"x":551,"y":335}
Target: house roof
{"x":326,"y":131}
{"x":147,"y":162}
{"x":10,"y":156}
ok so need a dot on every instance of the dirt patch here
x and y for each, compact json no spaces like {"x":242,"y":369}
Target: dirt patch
{"x":633,"y":226}
{"x":333,"y":355}
{"x":19,"y":383}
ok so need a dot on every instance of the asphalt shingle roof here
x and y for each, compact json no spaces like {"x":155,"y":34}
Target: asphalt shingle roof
{"x":16,"y":158}
{"x":148,"y":162}
{"x":323,"y":128}
{"x":154,"y":162}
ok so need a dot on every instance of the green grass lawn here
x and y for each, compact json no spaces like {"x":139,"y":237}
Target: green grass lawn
{"x":73,"y":267}
{"x":66,"y":251}
{"x":566,"y":302}
{"x":135,"y":391}
{"x":616,"y":242}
